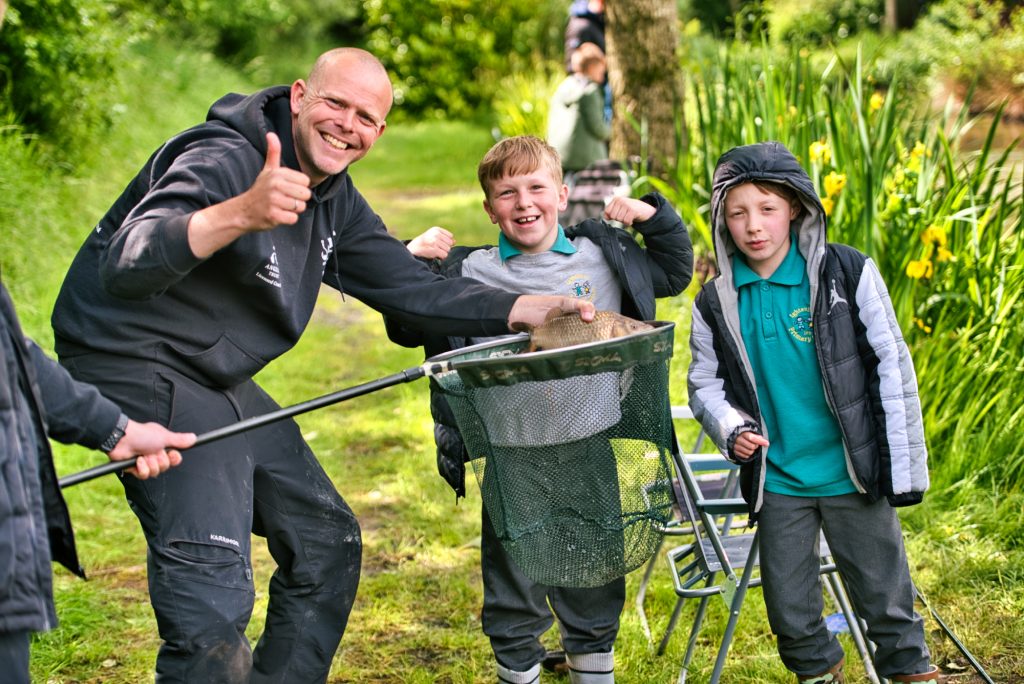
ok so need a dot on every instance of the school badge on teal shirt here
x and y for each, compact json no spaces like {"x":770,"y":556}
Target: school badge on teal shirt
{"x":802,"y":327}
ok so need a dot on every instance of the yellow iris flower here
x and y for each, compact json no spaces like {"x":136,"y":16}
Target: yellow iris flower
{"x":934,"y":235}
{"x":834,"y":182}
{"x":820,"y":151}
{"x":918,"y":269}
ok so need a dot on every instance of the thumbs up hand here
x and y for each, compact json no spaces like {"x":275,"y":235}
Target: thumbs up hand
{"x":278,"y":195}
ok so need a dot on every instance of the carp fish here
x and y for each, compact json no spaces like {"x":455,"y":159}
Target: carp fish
{"x":568,"y":329}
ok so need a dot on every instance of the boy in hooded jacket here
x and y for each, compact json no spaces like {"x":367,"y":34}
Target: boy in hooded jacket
{"x":522,"y":182}
{"x":800,"y":374}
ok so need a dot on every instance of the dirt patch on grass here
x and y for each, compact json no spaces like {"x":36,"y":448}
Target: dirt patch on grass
{"x":127,"y":577}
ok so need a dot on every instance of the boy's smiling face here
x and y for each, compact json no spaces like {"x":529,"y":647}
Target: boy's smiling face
{"x":525,"y":207}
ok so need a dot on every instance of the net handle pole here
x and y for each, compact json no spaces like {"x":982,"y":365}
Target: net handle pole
{"x":407,"y":375}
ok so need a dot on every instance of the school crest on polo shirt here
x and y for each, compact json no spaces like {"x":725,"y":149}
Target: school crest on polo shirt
{"x":801,"y":325}
{"x":579,"y":286}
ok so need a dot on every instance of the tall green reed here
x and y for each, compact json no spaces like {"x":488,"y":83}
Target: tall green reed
{"x":944,"y":226}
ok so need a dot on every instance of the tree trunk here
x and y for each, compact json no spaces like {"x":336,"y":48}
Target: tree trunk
{"x":3,"y":11}
{"x":643,"y":69}
{"x":900,"y":14}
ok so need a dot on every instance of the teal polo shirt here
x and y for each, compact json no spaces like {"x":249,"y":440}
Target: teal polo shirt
{"x":806,"y":456}
{"x":506,"y":250}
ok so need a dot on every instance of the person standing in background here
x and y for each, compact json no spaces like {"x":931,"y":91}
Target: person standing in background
{"x":576,"y":125}
{"x":586,"y":25}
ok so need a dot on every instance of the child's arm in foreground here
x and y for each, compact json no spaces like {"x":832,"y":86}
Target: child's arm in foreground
{"x":433,"y":243}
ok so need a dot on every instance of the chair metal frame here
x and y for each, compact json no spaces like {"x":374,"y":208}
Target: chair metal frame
{"x":720,"y":560}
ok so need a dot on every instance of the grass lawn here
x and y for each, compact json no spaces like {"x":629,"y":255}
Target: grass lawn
{"x":416,"y":618}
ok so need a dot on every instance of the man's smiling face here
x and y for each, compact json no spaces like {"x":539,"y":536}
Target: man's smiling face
{"x":337,"y":116}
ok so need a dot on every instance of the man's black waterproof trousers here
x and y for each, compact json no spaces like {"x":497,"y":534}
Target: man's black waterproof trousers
{"x":198,"y":519}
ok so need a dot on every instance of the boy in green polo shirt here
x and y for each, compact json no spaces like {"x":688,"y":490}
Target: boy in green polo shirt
{"x":799,"y":373}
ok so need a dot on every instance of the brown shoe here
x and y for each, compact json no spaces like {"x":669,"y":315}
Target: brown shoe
{"x":932,"y":676}
{"x":834,"y":675}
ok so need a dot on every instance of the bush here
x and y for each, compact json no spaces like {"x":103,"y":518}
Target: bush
{"x":448,"y":57}
{"x":717,"y":17}
{"x":237,"y":32}
{"x":827,"y":22}
{"x":58,"y":66}
{"x":973,"y":49}
{"x":978,"y":45}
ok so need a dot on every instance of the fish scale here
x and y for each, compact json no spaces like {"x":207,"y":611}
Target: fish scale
{"x":568,"y":329}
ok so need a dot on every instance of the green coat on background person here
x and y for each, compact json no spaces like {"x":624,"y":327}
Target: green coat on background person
{"x":576,"y":123}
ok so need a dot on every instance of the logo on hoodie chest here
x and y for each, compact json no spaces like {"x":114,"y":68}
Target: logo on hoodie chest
{"x":326,"y":247}
{"x":270,"y":272}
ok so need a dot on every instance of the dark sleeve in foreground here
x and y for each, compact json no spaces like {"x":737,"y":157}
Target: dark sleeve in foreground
{"x":76,"y":413}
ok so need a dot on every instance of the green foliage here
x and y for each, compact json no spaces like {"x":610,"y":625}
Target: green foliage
{"x":235,"y":31}
{"x":21,"y":188}
{"x":58,"y":66}
{"x":249,"y":34}
{"x":735,"y":18}
{"x":447,"y":58}
{"x":523,"y":100}
{"x":242,"y":33}
{"x":969,"y":44}
{"x":822,"y":23}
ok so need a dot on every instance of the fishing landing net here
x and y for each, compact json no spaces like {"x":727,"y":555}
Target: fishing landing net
{"x":571,"y":450}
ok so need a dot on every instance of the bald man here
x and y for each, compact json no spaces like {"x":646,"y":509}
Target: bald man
{"x":205,"y":269}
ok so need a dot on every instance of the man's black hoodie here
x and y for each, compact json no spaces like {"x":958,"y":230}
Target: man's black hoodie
{"x":136,"y":289}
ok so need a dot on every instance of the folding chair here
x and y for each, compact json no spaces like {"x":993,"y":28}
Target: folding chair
{"x":721,"y":561}
{"x":591,"y":189}
{"x":718,"y":478}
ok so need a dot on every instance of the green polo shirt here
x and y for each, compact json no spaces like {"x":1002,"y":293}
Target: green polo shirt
{"x":806,"y":456}
{"x":506,"y":250}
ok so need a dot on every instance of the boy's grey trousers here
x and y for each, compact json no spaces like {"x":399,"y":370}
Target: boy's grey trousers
{"x":516,"y":612}
{"x":867,"y":546}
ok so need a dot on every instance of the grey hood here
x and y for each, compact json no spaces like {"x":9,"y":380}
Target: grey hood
{"x":766,"y":161}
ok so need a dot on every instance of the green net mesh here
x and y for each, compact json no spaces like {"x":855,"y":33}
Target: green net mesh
{"x":570,"y":448}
